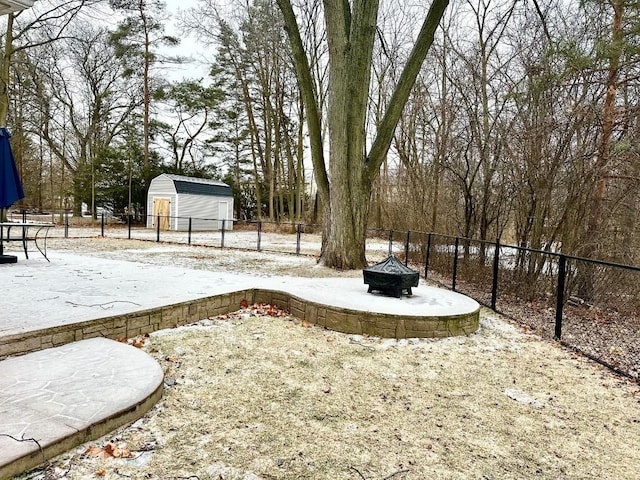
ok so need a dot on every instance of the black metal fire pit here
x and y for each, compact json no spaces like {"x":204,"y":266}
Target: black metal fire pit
{"x":390,"y":277}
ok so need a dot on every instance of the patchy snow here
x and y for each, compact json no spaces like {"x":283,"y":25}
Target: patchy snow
{"x":523,"y":398}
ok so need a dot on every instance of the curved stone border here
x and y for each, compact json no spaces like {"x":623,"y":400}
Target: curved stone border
{"x":346,"y":320}
{"x":383,"y":325}
{"x":56,"y":399}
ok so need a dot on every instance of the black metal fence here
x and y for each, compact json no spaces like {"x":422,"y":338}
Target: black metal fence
{"x":268,"y":236}
{"x":589,"y":305}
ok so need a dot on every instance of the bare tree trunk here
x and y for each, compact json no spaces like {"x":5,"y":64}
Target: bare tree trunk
{"x":300,"y":180}
{"x":441,"y":142}
{"x":256,"y":145}
{"x":146,"y":93}
{"x":595,"y":224}
{"x":5,"y":71}
{"x":345,"y":192}
{"x":609,"y":119}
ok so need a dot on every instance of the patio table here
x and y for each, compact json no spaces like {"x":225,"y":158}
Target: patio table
{"x":24,"y":237}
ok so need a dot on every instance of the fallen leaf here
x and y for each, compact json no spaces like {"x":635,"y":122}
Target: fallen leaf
{"x":93,"y":451}
{"x":268,"y":309}
{"x":244,"y":304}
{"x":108,"y":451}
{"x":306,"y":324}
{"x":101,"y":473}
{"x":117,"y":452}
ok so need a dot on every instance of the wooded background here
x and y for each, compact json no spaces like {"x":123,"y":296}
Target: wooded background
{"x":523,"y":124}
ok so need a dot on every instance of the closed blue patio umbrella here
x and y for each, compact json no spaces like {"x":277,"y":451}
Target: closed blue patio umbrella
{"x":10,"y":186}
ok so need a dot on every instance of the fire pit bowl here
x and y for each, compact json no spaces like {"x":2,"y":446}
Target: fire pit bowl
{"x":390,"y":277}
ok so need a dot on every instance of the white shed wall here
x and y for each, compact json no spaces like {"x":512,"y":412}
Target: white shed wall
{"x":162,"y":184}
{"x":204,"y":211}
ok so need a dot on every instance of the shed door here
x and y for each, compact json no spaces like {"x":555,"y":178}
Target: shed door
{"x":162,"y":209}
{"x":223,"y":214}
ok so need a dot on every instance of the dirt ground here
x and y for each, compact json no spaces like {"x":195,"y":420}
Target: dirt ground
{"x":259,"y":395}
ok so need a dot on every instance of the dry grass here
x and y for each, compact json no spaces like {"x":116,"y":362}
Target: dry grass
{"x":255,"y":397}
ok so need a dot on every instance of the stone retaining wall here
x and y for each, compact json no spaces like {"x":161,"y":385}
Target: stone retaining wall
{"x":334,"y":318}
{"x":127,"y":325}
{"x":370,"y":323}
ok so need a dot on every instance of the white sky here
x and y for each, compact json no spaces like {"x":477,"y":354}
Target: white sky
{"x":188,"y":46}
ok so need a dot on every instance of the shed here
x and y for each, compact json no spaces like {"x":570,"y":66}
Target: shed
{"x":174,"y":199}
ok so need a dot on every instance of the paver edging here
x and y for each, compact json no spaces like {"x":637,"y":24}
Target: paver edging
{"x":360,"y":322}
{"x":125,"y":325}
{"x":336,"y":318}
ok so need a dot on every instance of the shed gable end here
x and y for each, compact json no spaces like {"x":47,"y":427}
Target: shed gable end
{"x":162,"y":184}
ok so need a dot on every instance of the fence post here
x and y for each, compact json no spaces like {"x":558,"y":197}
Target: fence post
{"x":562,"y":273}
{"x":298,"y":235}
{"x":390,"y":242}
{"x":455,"y":264}
{"x":259,"y":233}
{"x":158,"y":228}
{"x":222,"y":238}
{"x":406,"y":248}
{"x":66,"y":224}
{"x":189,"y":234}
{"x":102,"y":224}
{"x":496,"y":266}
{"x":427,"y":254}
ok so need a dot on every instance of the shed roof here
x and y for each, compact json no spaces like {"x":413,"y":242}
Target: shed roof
{"x":200,"y":186}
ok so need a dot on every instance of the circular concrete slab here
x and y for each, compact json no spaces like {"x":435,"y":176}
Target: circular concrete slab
{"x":55,"y":399}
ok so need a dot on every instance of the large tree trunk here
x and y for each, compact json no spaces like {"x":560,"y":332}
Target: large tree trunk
{"x":346,"y":189}
{"x":345,"y":225}
{"x":350,"y":53}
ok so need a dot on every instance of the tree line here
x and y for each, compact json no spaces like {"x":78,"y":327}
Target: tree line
{"x":522,"y":123}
